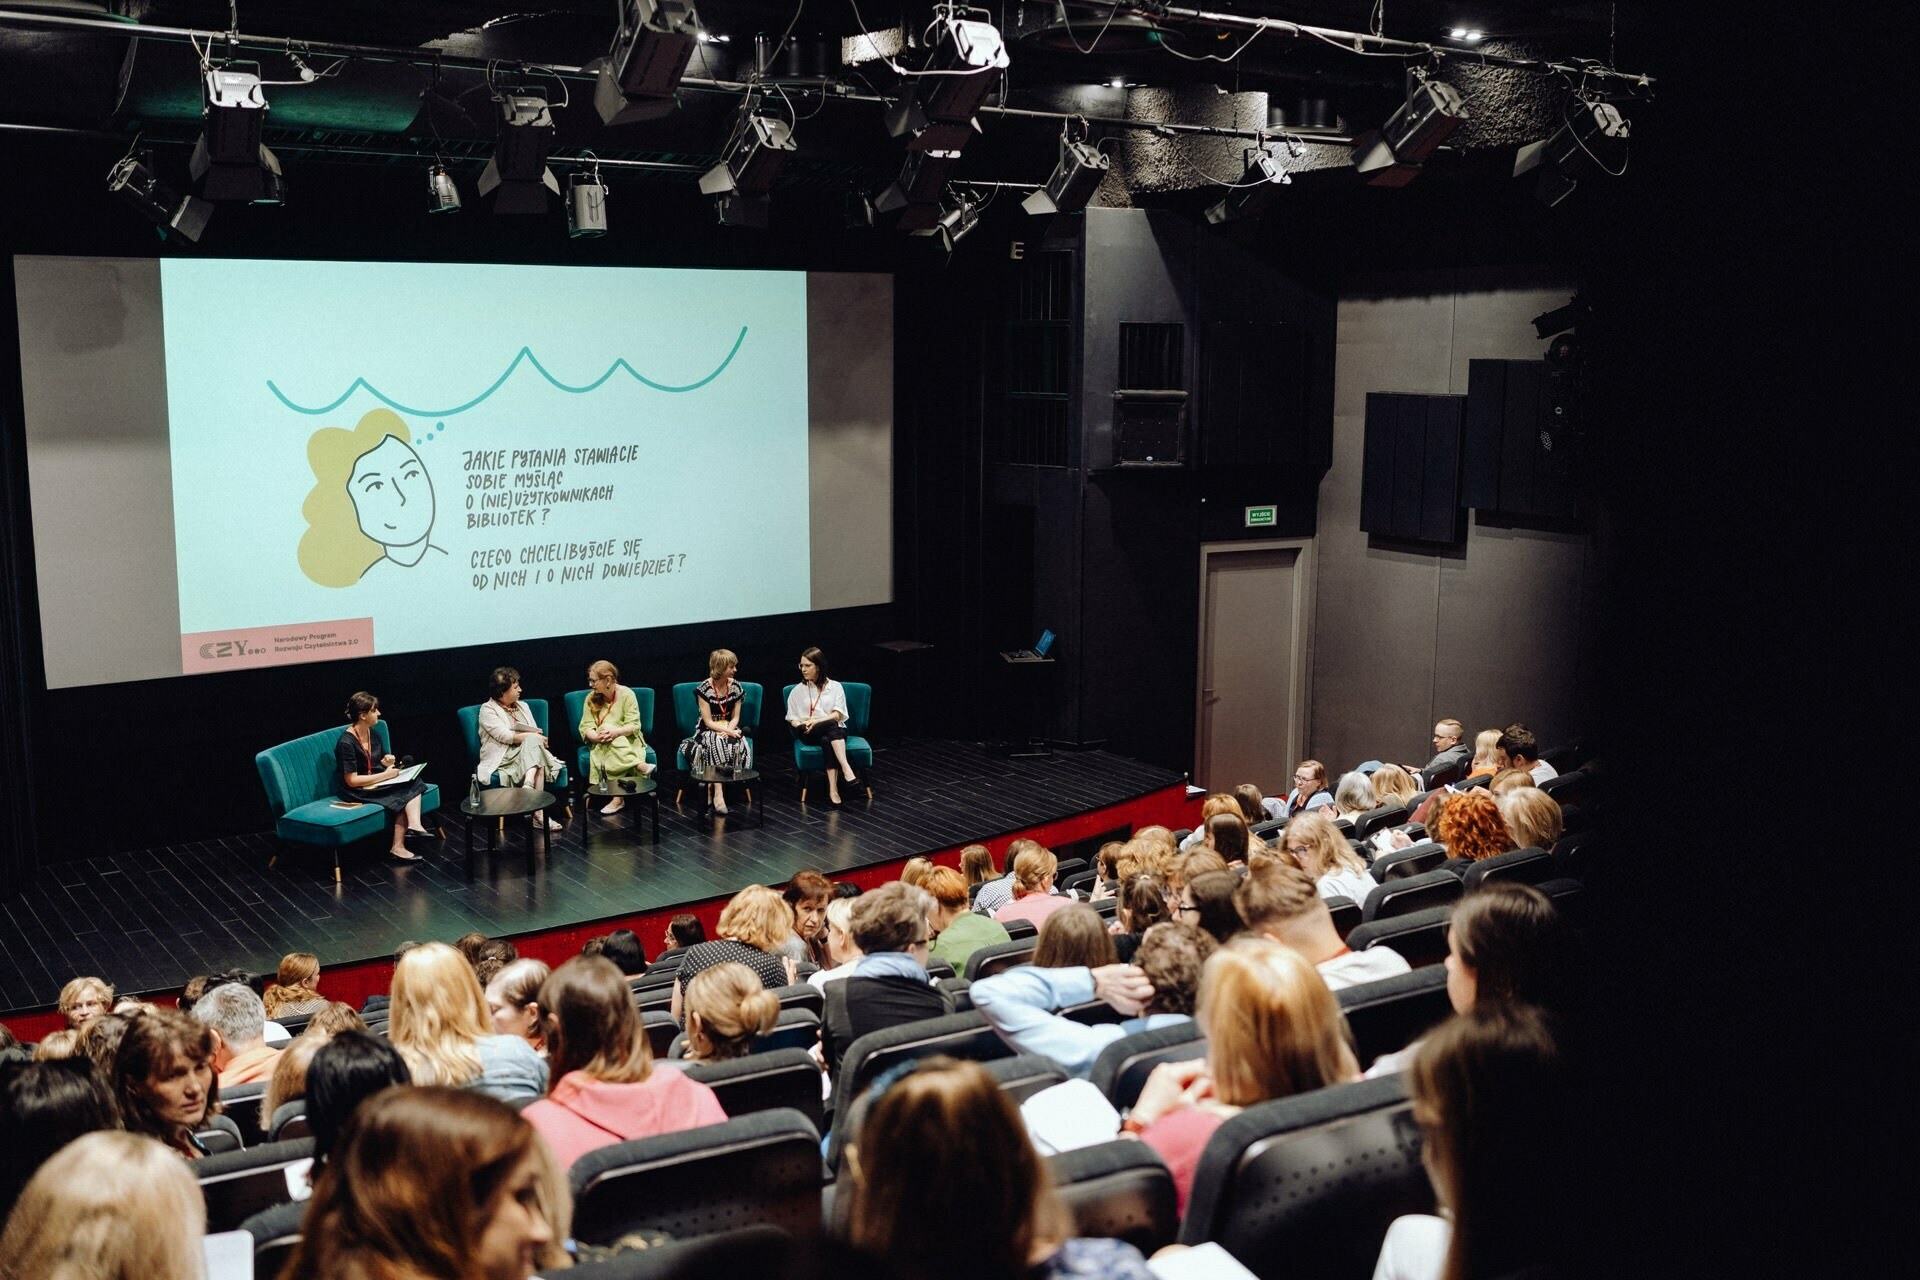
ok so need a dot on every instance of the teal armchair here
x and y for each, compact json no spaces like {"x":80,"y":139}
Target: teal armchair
{"x":298,"y":777}
{"x":686,"y":714}
{"x":576,"y":706}
{"x":470,"y":728}
{"x":808,"y":759}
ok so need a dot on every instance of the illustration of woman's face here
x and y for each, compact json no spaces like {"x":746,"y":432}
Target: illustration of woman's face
{"x":392,"y":494}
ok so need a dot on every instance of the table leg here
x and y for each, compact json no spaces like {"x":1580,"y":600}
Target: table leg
{"x":656,"y":817}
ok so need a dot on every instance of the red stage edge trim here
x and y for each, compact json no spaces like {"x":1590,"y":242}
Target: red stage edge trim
{"x":355,"y":981}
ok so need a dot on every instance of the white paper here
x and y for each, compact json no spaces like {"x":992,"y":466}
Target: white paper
{"x":1069,"y":1116}
{"x":229,"y":1255}
{"x":1202,"y":1262}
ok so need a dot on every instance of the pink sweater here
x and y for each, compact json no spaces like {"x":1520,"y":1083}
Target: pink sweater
{"x":1180,"y":1136}
{"x":582,"y":1114}
{"x":1035,"y":907}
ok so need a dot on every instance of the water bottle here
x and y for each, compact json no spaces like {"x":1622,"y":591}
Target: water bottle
{"x":473,"y":792}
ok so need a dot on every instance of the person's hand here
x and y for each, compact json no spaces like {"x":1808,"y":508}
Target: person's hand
{"x":646,"y":770}
{"x":388,"y":760}
{"x":1101,"y":891}
{"x":392,"y":771}
{"x":1173,"y":1086}
{"x":1124,"y":986}
{"x":792,"y":967}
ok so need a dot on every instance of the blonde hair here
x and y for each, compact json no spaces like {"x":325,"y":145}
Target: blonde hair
{"x":977,"y":864}
{"x":1532,"y":817}
{"x":1032,"y":869}
{"x":437,"y":1015}
{"x":722,"y":660}
{"x":64,"y":1043}
{"x":1157,"y":834}
{"x":1273,"y":1028}
{"x":71,"y":993}
{"x":109,"y":1205}
{"x":1392,"y":784}
{"x":334,"y":552}
{"x":295,"y":983}
{"x":732,"y":1007}
{"x":289,"y":1079}
{"x":1507,"y":779}
{"x":602,"y":668}
{"x":757,"y":916}
{"x":915,"y":871}
{"x":1327,"y":850}
{"x":1484,"y":744}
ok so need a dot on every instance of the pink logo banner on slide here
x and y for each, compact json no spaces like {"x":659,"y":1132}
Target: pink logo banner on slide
{"x":203,"y":651}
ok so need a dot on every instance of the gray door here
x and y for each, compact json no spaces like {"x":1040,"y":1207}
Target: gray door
{"x":1247,"y":669}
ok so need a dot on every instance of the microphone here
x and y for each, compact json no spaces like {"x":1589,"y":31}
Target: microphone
{"x":406,"y":762}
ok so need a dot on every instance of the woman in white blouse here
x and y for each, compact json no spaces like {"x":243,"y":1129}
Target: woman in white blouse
{"x":817,"y":710}
{"x":511,"y":743}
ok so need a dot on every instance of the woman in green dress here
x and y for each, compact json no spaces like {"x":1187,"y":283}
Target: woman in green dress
{"x":610,"y":726}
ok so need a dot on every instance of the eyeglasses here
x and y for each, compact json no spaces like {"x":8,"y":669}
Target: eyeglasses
{"x":1303,"y":778}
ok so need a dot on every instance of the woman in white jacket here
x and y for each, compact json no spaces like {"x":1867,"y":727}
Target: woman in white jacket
{"x":511,"y":743}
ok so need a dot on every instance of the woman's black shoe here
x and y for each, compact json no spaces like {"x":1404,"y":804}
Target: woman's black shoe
{"x":411,"y":834}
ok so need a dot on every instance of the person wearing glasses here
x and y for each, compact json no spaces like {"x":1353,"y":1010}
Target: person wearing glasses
{"x":889,"y":984}
{"x":1309,"y":788}
{"x":1451,"y":755}
{"x":610,"y":726}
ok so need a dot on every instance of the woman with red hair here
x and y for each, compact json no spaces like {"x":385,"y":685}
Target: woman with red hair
{"x":1472,"y":829}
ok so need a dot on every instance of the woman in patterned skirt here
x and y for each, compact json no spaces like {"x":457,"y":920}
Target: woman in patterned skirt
{"x":719,"y":742}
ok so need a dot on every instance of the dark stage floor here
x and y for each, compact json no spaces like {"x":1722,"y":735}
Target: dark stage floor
{"x":149,"y":920}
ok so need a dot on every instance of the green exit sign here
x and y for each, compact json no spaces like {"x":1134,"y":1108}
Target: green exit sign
{"x":1260,"y":518}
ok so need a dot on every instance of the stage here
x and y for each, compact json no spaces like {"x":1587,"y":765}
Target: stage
{"x":147,"y":921}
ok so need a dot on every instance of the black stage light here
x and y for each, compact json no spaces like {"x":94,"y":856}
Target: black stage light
{"x":517,"y":176}
{"x":1391,"y":155}
{"x":1074,"y":179}
{"x":132,"y":179}
{"x":229,"y":162}
{"x":649,"y":55}
{"x":935,"y":113}
{"x":442,"y":195}
{"x":738,"y":209}
{"x":752,"y":158}
{"x":586,"y":204}
{"x":1593,"y":140}
{"x":1560,"y":319}
{"x":1255,"y":191}
{"x":955,"y":223}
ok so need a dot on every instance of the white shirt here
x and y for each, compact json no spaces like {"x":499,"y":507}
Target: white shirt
{"x":1415,"y":1248}
{"x":1542,"y":771}
{"x":1356,"y":968}
{"x":807,"y":702}
{"x":821,"y":978}
{"x":1346,"y":884}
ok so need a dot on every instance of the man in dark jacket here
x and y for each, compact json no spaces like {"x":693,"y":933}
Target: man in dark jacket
{"x":889,"y":985}
{"x":1451,"y":756}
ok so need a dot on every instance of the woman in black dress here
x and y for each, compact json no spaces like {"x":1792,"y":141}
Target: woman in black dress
{"x":356,"y":767}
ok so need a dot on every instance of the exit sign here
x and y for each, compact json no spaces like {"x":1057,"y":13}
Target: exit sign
{"x":1260,"y":518}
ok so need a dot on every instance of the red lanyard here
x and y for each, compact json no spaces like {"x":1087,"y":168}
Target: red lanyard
{"x":813,"y":698}
{"x":366,"y":749}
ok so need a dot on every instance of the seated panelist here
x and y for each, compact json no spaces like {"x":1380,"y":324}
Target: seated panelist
{"x":610,"y":726}
{"x":511,"y":744}
{"x":357,"y":767}
{"x":817,"y":710}
{"x":718,"y":742}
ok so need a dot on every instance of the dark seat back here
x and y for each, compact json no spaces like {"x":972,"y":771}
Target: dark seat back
{"x":938,"y":969}
{"x":802,"y":995}
{"x":960,"y":1035}
{"x":1388,"y":1015}
{"x":1575,"y":853}
{"x":765,"y":1082}
{"x":1346,"y":913}
{"x":998,"y":957}
{"x":289,"y":1121}
{"x":1446,"y":775}
{"x":760,"y":1168}
{"x":1119,"y":1191}
{"x":661,"y":1031}
{"x":275,"y":1232}
{"x":219,"y":1135}
{"x":1570,"y":896}
{"x":1307,"y":1185}
{"x":1025,"y":1074}
{"x":1386,"y":815}
{"x":1079,"y":880}
{"x":1018,"y":929}
{"x":241,"y":1104}
{"x":239,"y":1184}
{"x":1265,"y":830}
{"x":794,"y":1029}
{"x":1569,"y":788}
{"x":747,"y":1251}
{"x":1416,"y":859}
{"x":1412,"y":893}
{"x":1069,"y":867}
{"x":1420,"y":938}
{"x":1123,"y":1066}
{"x":1521,"y":866}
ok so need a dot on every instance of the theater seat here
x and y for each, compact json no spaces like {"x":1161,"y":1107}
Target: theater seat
{"x":765,"y":1082}
{"x":1388,"y":1015}
{"x":1118,"y":1190}
{"x":758,"y":1168}
{"x":220,"y":1136}
{"x":1420,"y":938}
{"x":1570,"y":896}
{"x":998,"y":957}
{"x":1346,"y":913}
{"x":241,"y":1105}
{"x":1025,"y":1074}
{"x":661,"y":1031}
{"x":1521,"y":866}
{"x":1412,"y":893}
{"x":275,"y":1232}
{"x":1307,"y":1185}
{"x":1386,"y":815}
{"x":959,"y":1035}
{"x":757,"y":1251}
{"x":1123,"y":1066}
{"x":289,"y":1121}
{"x":1415,"y":859}
{"x":1018,"y":929}
{"x":239,"y":1184}
{"x":794,"y":1029}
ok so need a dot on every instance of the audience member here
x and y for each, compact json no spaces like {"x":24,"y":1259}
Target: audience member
{"x":1207,"y":901}
{"x":1196,"y":862}
{"x":594,"y":946}
{"x":101,"y":1040}
{"x":1022,"y":1003}
{"x":957,"y":932}
{"x":295,"y":991}
{"x":727,"y":1010}
{"x":889,"y":984}
{"x":845,"y":889}
{"x":1273,"y":1030}
{"x":441,"y":1025}
{"x":1214,"y":805}
{"x":1353,"y":796}
{"x":807,"y":895}
{"x":1472,"y":830}
{"x":164,"y":1080}
{"x":336,"y":1016}
{"x":496,"y":954}
{"x":1309,"y":789}
{"x":841,"y":949}
{"x":1393,"y":785}
{"x":1533,"y":818}
{"x":1138,"y":907}
{"x":995,"y":894}
{"x":238,"y":1020}
{"x":43,"y":1107}
{"x":346,"y":1071}
{"x":1523,"y":752}
{"x":288,"y":1083}
{"x":8,"y":1041}
{"x":1490,"y":1096}
{"x":1280,"y":901}
{"x":1106,"y":863}
{"x":513,"y":1000}
{"x":943,"y":1144}
{"x":108,"y":1206}
{"x":1074,"y":935}
{"x":914,"y":871}
{"x":1033,"y":896}
{"x":427,"y":1182}
{"x":1323,"y":852}
{"x":685,"y":930}
{"x":1488,"y":759}
{"x":623,"y":947}
{"x":1253,"y":805}
{"x":467,"y":944}
{"x":1449,"y":753}
{"x":1227,"y":835}
{"x":58,"y":1045}
{"x":605,"y":1088}
{"x":83,"y":1000}
{"x":752,"y":927}
{"x":977,"y":865}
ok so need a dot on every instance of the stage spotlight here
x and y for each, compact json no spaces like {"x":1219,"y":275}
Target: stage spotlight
{"x":1594,"y":139}
{"x":753,"y":156}
{"x":229,"y":162}
{"x":649,"y":55}
{"x":935,"y":112}
{"x":915,"y":194}
{"x":955,"y":224}
{"x":1255,"y":191}
{"x":1560,"y":319}
{"x":586,"y":203}
{"x":1391,"y":155}
{"x":517,"y":176}
{"x":442,"y":195}
{"x":1074,"y":179}
{"x":132,"y":179}
{"x":1466,"y":35}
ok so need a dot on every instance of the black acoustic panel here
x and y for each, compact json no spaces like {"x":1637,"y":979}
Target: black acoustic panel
{"x":1253,"y":389}
{"x":1486,"y":400}
{"x":1410,"y":472}
{"x":1149,"y":428}
{"x":1521,"y":456}
{"x":1519,"y":448}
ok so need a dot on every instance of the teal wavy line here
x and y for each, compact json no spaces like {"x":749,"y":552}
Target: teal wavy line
{"x":526,"y":355}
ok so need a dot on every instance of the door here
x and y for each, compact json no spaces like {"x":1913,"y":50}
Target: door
{"x":1252,"y":700}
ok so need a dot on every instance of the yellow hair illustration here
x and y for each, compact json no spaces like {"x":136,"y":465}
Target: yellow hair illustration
{"x":333,"y":551}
